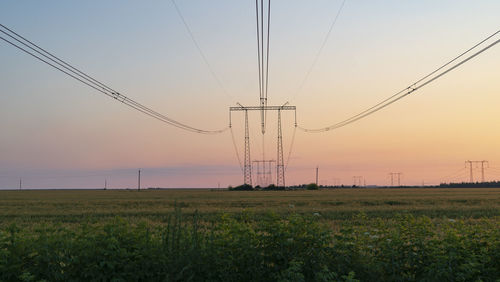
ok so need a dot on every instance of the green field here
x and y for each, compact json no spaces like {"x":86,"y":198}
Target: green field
{"x":70,"y":206}
{"x":209,"y":235}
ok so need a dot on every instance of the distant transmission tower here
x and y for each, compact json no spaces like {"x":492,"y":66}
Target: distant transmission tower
{"x":392,"y":174}
{"x":471,"y":163}
{"x":336,"y":181}
{"x":358,"y":181}
{"x":264,"y":172}
{"x":482,"y":169}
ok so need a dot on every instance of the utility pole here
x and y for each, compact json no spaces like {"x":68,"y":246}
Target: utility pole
{"x":139,"y":181}
{"x":20,"y":183}
{"x":317,"y":175}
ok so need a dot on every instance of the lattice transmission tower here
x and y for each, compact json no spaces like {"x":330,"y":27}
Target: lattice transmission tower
{"x":280,"y":166}
{"x":471,"y":163}
{"x":247,"y":169}
{"x":264,"y":172}
{"x":280,"y":163}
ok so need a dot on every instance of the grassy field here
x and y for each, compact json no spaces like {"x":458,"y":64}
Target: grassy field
{"x":207,"y":235}
{"x":73,"y":206}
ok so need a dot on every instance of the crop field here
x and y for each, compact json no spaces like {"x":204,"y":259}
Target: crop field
{"x":73,"y":206}
{"x":218,"y":235}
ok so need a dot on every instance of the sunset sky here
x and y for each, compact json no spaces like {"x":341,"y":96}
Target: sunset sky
{"x":56,"y":132}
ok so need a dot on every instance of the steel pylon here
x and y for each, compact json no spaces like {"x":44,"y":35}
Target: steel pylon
{"x":247,"y":169}
{"x":280,"y":165}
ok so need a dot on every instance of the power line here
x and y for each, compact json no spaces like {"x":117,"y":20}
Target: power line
{"x":455,"y":174}
{"x":235,"y":148}
{"x":320,"y":50}
{"x":64,"y":67}
{"x":263,"y":56}
{"x":471,"y":163}
{"x":258,"y":48}
{"x":410,"y":89}
{"x":291,"y":147}
{"x":200,"y":51}
{"x":267,"y":56}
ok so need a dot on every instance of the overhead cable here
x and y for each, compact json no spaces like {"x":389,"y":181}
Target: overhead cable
{"x":267,"y":48}
{"x":200,"y":51}
{"x":263,"y":56}
{"x":320,"y":50}
{"x":236,"y":148}
{"x":291,"y":148}
{"x":48,"y":58}
{"x":258,"y":49}
{"x":439,"y":72}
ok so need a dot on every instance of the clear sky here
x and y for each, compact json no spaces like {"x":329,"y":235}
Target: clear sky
{"x":58,"y":133}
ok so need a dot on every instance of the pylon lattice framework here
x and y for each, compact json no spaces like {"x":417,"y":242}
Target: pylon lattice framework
{"x":280,"y":165}
{"x":247,"y":171}
{"x":264,"y":172}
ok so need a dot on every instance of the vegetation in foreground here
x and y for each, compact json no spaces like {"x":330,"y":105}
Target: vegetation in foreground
{"x":291,"y":248}
{"x":308,"y":235}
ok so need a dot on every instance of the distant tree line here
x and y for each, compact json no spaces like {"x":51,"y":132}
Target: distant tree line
{"x":491,"y":184}
{"x":314,"y":186}
{"x":272,"y":187}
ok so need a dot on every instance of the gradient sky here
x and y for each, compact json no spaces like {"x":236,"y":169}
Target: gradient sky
{"x":58,"y":133}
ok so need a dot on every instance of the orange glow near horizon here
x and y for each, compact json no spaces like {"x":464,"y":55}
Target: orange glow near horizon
{"x":59,"y":133}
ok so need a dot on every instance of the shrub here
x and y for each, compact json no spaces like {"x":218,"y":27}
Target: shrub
{"x":312,"y":186}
